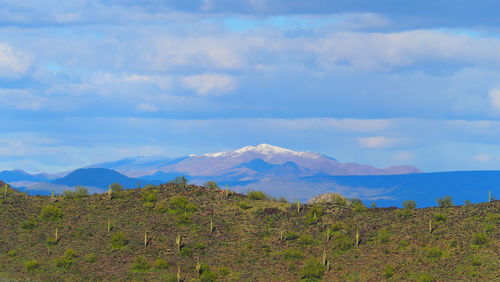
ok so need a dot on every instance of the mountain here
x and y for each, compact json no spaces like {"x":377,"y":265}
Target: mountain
{"x":232,"y":163}
{"x":21,"y":175}
{"x":98,"y":177}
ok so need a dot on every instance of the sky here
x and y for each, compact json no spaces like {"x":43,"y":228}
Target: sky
{"x":374,"y":82}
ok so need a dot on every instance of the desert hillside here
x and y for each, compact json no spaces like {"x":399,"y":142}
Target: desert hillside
{"x":172,"y":231}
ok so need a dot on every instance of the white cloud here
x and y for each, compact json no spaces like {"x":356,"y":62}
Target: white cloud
{"x":210,"y":84}
{"x":13,"y":62}
{"x":483,"y":158}
{"x":146,"y":107}
{"x":376,"y":142}
{"x":403,"y":156}
{"x":495,"y":99}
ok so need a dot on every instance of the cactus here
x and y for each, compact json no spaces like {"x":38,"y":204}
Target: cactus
{"x":56,"y":235}
{"x":179,"y":278}
{"x":198,"y":268}
{"x":227,"y":191}
{"x":357,"y":237}
{"x":282,"y":235}
{"x":110,"y":193}
{"x":325,"y":260}
{"x":430,"y":226}
{"x":328,"y":234}
{"x":178,"y":240}
{"x":145,"y":238}
{"x":212,"y":227}
{"x":109,"y":226}
{"x":298,"y":206}
{"x":52,"y":197}
{"x":5,"y":190}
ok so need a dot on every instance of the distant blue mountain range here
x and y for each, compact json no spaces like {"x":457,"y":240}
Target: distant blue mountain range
{"x":277,"y":171}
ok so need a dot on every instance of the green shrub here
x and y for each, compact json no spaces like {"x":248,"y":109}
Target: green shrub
{"x":90,"y":258}
{"x":433,"y":252}
{"x":140,"y":264}
{"x":206,"y":274}
{"x":79,"y":192}
{"x":444,"y":202}
{"x":257,"y":195}
{"x":306,"y":240}
{"x":186,"y":251}
{"x":313,"y":214}
{"x":116,"y":187}
{"x":383,"y":235}
{"x":29,"y":224}
{"x":292,"y":254}
{"x":424,"y":277}
{"x":118,"y":241}
{"x":357,"y":205}
{"x":290,"y":236}
{"x":409,"y":204}
{"x":67,"y":260}
{"x":149,"y":198}
{"x":211,"y":185}
{"x":439,"y":217}
{"x":12,"y":253}
{"x":180,"y":180}
{"x":51,"y":213}
{"x":338,"y":226}
{"x":479,"y":239}
{"x":160,"y":263}
{"x":31,"y":265}
{"x":245,"y":206}
{"x":388,"y":271}
{"x":403,"y":213}
{"x":313,"y":271}
{"x":180,"y":205}
{"x":341,"y":242}
{"x":403,"y":244}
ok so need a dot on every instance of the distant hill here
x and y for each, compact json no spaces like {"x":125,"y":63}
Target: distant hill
{"x":99,"y":177}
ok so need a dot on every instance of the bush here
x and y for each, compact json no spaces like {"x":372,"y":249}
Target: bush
{"x":118,"y":241}
{"x":160,"y":264}
{"x":306,"y":240}
{"x":444,"y":202}
{"x":180,"y":205}
{"x":439,"y":217}
{"x":292,"y":255}
{"x":341,"y":242}
{"x":425,"y":278}
{"x":180,"y":180}
{"x":409,"y":204}
{"x":140,"y":264}
{"x":479,"y":239}
{"x":257,"y":195}
{"x":211,"y":185}
{"x":388,"y":271}
{"x":433,"y":252}
{"x":12,"y":253}
{"x":383,"y":235}
{"x":90,"y":258}
{"x":29,"y":224}
{"x":313,"y":214}
{"x":79,"y":192}
{"x":313,"y":271}
{"x":67,"y":260}
{"x":149,"y":198}
{"x":31,"y":265}
{"x":51,"y":213}
{"x":116,"y":187}
{"x":290,"y":236}
{"x":357,"y":204}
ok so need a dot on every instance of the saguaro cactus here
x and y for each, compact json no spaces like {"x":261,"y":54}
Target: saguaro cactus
{"x":357,"y":237}
{"x":227,"y":191}
{"x":430,"y":226}
{"x":298,"y":206}
{"x":52,"y":197}
{"x":198,"y":268}
{"x":212,"y":227}
{"x":178,"y":240}
{"x":109,"y":226}
{"x":5,"y":187}
{"x":56,"y":236}
{"x":110,"y":193}
{"x":328,"y":234}
{"x":179,"y":278}
{"x":282,"y":235}
{"x":145,"y":238}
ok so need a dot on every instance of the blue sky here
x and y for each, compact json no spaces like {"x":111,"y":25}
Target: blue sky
{"x":373,"y":82}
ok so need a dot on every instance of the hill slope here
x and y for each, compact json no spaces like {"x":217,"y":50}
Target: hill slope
{"x":253,"y":240}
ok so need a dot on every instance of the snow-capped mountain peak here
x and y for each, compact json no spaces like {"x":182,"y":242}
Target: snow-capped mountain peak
{"x":265,"y":149}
